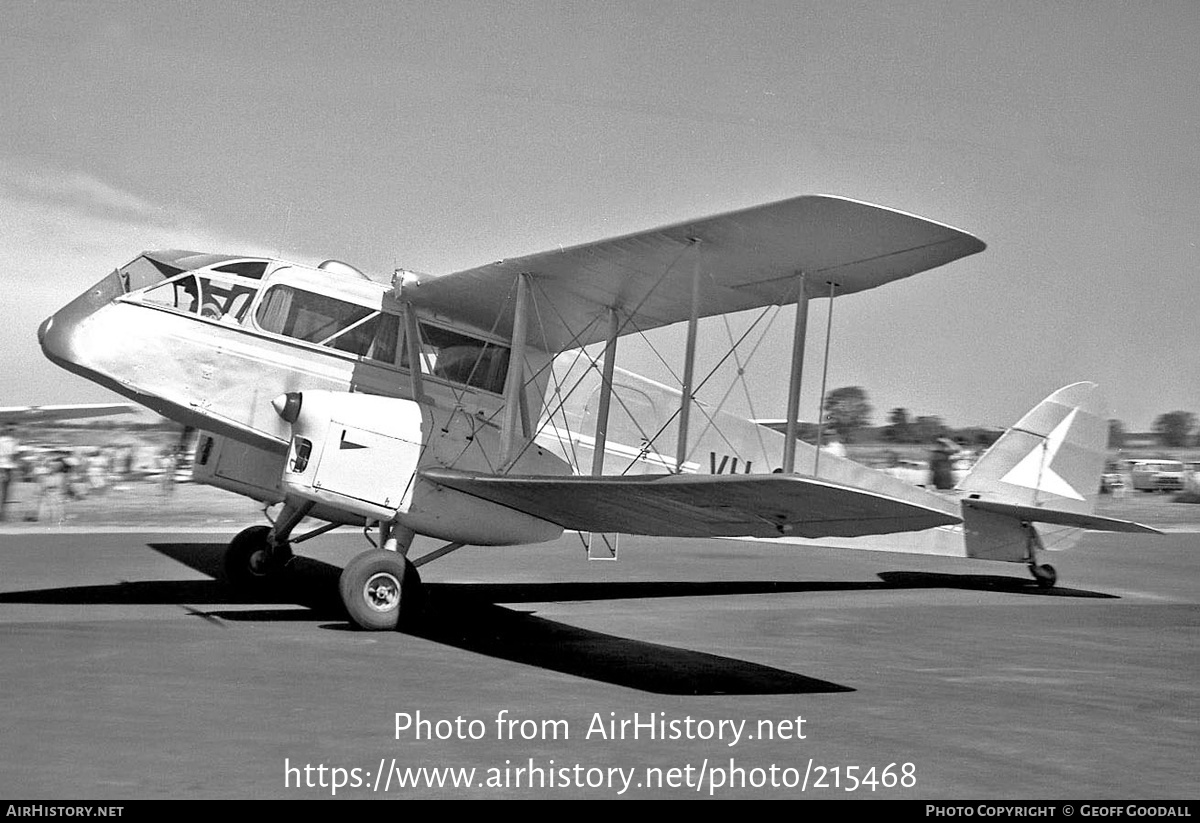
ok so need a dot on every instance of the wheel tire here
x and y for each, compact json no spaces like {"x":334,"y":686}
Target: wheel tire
{"x":381,"y":590}
{"x":248,"y":562}
{"x":1045,"y":575}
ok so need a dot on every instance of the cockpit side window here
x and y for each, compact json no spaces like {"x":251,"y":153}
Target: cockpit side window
{"x":460,"y":358}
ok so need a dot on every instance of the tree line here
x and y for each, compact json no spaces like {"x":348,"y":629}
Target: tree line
{"x":848,"y":411}
{"x":1175,"y":429}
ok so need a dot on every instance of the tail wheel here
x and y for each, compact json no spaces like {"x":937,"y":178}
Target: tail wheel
{"x":1045,"y":575}
{"x":251,"y":561}
{"x":380,"y":590}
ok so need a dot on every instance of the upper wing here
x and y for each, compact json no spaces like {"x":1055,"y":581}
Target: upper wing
{"x":748,"y":259}
{"x":701,"y":505}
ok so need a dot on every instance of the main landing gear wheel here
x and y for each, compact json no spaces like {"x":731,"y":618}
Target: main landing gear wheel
{"x":1045,"y":575}
{"x":250,"y":561}
{"x":380,"y":590}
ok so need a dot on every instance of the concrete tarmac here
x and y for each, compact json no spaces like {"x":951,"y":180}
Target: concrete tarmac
{"x":130,"y":672}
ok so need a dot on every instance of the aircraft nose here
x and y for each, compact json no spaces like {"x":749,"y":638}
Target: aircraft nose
{"x":55,"y":339}
{"x":57,"y":333}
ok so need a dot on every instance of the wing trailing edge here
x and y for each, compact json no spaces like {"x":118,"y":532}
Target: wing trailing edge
{"x":689,"y":505}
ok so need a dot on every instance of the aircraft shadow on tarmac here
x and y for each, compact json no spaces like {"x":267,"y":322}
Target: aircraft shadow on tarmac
{"x":466,"y":616}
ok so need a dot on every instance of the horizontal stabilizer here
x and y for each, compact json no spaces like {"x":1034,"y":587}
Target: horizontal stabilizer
{"x":691,"y":505}
{"x":1037,"y":514}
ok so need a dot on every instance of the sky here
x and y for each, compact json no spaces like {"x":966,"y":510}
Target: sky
{"x":437,"y":136}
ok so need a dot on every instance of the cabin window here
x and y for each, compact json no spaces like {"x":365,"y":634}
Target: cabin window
{"x":327,"y":321}
{"x":460,"y":358}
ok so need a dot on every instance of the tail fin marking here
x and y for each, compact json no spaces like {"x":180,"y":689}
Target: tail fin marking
{"x":1052,"y":457}
{"x":1035,"y":470}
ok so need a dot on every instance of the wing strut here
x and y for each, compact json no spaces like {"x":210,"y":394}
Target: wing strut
{"x":824,"y":375}
{"x":793,"y":407}
{"x":412,"y":340}
{"x":515,"y":384}
{"x":610,"y":360}
{"x":689,"y":366}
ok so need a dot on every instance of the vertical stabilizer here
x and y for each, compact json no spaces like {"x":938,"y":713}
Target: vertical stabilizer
{"x":1051,"y":458}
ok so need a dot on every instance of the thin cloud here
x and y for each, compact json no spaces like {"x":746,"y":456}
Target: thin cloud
{"x":59,"y":233}
{"x":62,"y":230}
{"x":78,"y":193}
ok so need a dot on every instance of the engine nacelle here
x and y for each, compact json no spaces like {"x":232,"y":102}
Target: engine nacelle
{"x":362,"y":453}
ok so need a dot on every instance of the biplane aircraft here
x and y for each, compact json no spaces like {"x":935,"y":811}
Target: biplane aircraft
{"x":466,"y":407}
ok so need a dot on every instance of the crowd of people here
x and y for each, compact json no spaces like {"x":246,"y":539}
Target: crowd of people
{"x":38,"y":481}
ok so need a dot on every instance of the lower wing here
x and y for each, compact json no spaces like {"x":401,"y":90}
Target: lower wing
{"x":690,"y":505}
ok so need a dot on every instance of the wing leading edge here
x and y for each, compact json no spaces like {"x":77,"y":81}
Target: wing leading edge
{"x":747,"y":258}
{"x":687,"y":505}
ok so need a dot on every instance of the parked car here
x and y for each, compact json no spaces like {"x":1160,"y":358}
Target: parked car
{"x":1157,"y":475}
{"x":1112,"y":481}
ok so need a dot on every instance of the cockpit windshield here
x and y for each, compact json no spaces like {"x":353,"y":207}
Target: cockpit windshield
{"x":221,"y":293}
{"x":144,"y":272}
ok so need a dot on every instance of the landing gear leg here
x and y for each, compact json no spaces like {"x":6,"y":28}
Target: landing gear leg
{"x":259,"y":554}
{"x":1044,"y":574}
{"x":381,"y":588}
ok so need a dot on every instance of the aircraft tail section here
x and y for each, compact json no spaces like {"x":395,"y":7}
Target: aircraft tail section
{"x":1052,"y":458}
{"x":1045,"y":470}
